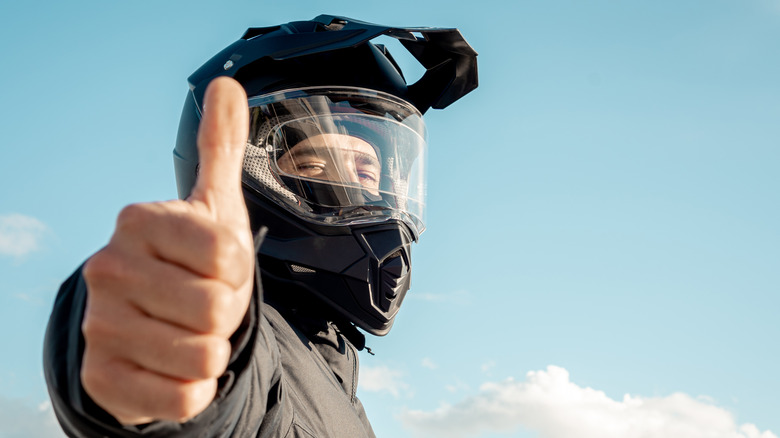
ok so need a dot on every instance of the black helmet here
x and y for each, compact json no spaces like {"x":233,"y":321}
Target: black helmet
{"x":335,"y":159}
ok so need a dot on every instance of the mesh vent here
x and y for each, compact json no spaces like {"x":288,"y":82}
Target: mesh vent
{"x":301,"y":269}
{"x":257,"y":167}
{"x":257,"y":171}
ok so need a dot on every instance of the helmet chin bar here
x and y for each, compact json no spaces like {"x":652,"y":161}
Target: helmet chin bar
{"x":360,"y":272}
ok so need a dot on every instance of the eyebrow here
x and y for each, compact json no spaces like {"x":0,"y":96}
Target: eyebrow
{"x":366,"y":159}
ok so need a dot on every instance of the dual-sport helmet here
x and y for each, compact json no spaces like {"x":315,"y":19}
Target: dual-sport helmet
{"x":335,"y":160}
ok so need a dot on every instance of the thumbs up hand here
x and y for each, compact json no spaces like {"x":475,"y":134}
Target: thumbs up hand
{"x":174,"y":283}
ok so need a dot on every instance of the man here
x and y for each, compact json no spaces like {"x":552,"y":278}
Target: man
{"x":234,"y":311}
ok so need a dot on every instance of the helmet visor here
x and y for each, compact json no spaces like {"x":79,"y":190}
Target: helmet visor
{"x":343,"y":155}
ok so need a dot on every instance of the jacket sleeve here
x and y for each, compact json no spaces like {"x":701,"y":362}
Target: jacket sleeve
{"x":241,"y":395}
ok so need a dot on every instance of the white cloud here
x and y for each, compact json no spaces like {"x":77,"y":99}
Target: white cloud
{"x":457,"y":386}
{"x":487,"y":366}
{"x":20,"y":235}
{"x":427,"y":362}
{"x":21,"y":420}
{"x":382,"y":379}
{"x":549,"y":403}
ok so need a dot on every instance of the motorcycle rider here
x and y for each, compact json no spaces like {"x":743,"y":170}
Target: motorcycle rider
{"x":235,"y":310}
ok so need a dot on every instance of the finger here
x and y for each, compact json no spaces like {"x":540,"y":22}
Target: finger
{"x":170,"y":232}
{"x":222,"y":138}
{"x":135,"y":395}
{"x":157,"y":346}
{"x":196,"y":304}
{"x":175,"y":295}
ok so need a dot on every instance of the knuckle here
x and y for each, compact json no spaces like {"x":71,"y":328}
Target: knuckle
{"x":101,"y":325}
{"x":232,"y":256}
{"x":95,"y":328}
{"x":98,"y":378}
{"x":92,"y":377}
{"x":209,"y":243}
{"x":102,"y":266}
{"x":212,"y":240}
{"x":217,"y":310}
{"x":232,"y":248}
{"x":96,"y":266}
{"x":133,"y":216}
{"x":223,"y":248}
{"x":189,"y":399}
{"x":210,"y":359}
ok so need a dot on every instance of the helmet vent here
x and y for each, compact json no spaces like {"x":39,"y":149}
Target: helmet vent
{"x":398,"y":253}
{"x":258,"y":171}
{"x":301,"y":269}
{"x":336,"y":24}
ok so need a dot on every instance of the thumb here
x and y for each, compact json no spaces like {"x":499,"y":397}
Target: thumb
{"x":222,"y":138}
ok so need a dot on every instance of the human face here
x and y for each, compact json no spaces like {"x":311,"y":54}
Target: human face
{"x":334,"y":157}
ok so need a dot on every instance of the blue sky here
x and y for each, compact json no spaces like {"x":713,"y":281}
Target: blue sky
{"x":602,"y":255}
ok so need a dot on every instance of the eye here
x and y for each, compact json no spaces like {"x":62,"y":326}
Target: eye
{"x":368,"y":170}
{"x":369,"y":177}
{"x":309,"y":169}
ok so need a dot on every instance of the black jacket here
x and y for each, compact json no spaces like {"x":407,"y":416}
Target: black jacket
{"x":289,"y":376}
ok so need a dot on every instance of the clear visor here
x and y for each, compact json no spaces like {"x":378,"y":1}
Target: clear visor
{"x":341,"y":155}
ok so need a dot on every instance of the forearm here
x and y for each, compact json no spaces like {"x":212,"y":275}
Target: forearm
{"x":79,"y":416}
